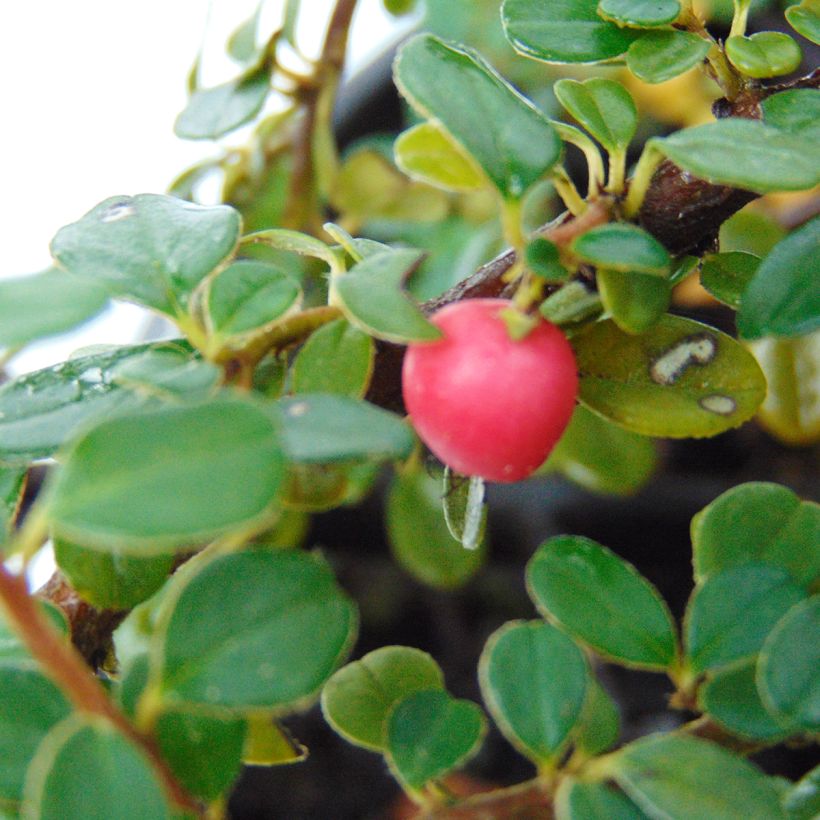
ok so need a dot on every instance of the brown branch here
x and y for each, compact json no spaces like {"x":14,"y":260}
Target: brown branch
{"x":524,"y":801}
{"x":66,"y":668}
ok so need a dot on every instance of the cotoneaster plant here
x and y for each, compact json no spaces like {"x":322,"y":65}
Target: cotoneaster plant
{"x":529,"y":268}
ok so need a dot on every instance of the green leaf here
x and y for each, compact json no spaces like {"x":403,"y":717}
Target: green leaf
{"x":791,"y":410}
{"x":796,"y":110}
{"x":804,"y":18}
{"x":603,"y":601}
{"x":758,"y":522}
{"x":51,"y":302}
{"x":283,"y":239}
{"x":111,"y":580}
{"x":371,"y":298}
{"x":429,"y":734}
{"x":503,"y":132}
{"x":659,"y":56}
{"x":465,"y":511}
{"x":639,"y":13}
{"x":144,"y":484}
{"x":12,"y":485}
{"x":13,"y":652}
{"x":399,"y":7}
{"x":622,"y":246}
{"x":336,"y":358}
{"x":269,"y":744}
{"x":677,"y":380}
{"x":783,"y":298}
{"x":600,"y":724}
{"x":290,"y":17}
{"x":534,"y":681}
{"x":419,"y":537}
{"x":41,"y":411}
{"x":204,"y":752}
{"x":320,"y":487}
{"x":787,"y":669}
{"x":802,"y":801}
{"x":732,"y":612}
{"x":577,"y":800}
{"x":726,"y":275}
{"x":730,"y":696}
{"x":279,"y":617}
{"x":249,"y":296}
{"x":765,"y":54}
{"x":86,"y":769}
{"x":678,"y":776}
{"x":150,"y":249}
{"x":763,"y":158}
{"x":602,"y":457}
{"x":241,"y":45}
{"x":213,"y":112}
{"x":357,"y":699}
{"x":604,"y":107}
{"x":566,"y":31}
{"x":30,"y":705}
{"x":543,"y":259}
{"x":323,"y":428}
{"x":425,"y":152}
{"x":635,"y":301}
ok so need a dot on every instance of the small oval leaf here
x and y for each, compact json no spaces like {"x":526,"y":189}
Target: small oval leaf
{"x":659,"y":56}
{"x":765,"y":54}
{"x":804,"y":18}
{"x":639,"y":13}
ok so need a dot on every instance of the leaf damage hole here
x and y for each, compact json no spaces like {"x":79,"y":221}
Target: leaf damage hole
{"x":699,"y":349}
{"x":715,"y":403}
{"x":117,"y":211}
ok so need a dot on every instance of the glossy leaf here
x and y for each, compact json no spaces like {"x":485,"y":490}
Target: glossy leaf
{"x":804,"y":18}
{"x":731,"y":698}
{"x":357,"y":699}
{"x":427,"y":153}
{"x":86,"y":769}
{"x":30,"y":705}
{"x":323,"y":428}
{"x":567,"y":31}
{"x":604,"y":107}
{"x":144,"y":484}
{"x":679,"y":379}
{"x":732,"y":612}
{"x":635,"y":301}
{"x":111,"y":580}
{"x":465,"y":511}
{"x":419,"y":538}
{"x":783,"y":297}
{"x":603,"y":601}
{"x":787,"y":670}
{"x":372,"y":299}
{"x":213,"y":112}
{"x":602,"y":457}
{"x":248,"y":296}
{"x":796,"y":110}
{"x":578,"y":800}
{"x":150,"y":249}
{"x":429,"y":734}
{"x":624,"y":247}
{"x":763,"y":158}
{"x":279,"y":617}
{"x":510,"y":140}
{"x":659,"y":56}
{"x":791,"y":410}
{"x":204,"y":752}
{"x":673,"y":775}
{"x":534,"y":680}
{"x":543,"y":259}
{"x":726,"y":275}
{"x":758,"y":522}
{"x":42,"y":410}
{"x":765,"y":54}
{"x":639,"y":13}
{"x":51,"y":302}
{"x":336,"y":358}
{"x":802,"y":801}
{"x":12,"y":485}
{"x":600,"y":723}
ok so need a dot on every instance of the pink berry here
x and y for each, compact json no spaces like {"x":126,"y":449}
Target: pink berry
{"x":487,"y":405}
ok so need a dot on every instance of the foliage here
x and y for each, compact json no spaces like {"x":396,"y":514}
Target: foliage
{"x":181,"y":473}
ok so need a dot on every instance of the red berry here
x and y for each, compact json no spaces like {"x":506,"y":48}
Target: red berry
{"x":485,"y":404}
